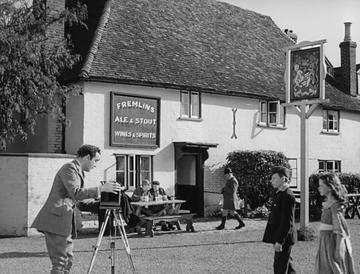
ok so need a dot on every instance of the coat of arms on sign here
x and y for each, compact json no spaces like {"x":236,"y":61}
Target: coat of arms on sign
{"x":305,"y":74}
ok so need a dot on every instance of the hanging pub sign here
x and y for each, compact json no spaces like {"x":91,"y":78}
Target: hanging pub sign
{"x":305,"y":71}
{"x":134,"y":120}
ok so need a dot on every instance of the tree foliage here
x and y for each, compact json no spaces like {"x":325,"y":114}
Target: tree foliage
{"x":252,"y":169}
{"x":32,"y":65}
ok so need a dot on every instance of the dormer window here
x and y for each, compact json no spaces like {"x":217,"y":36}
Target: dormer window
{"x":272,"y":114}
{"x":330,"y":121}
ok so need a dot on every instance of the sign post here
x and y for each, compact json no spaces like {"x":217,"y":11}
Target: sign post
{"x":305,"y":90}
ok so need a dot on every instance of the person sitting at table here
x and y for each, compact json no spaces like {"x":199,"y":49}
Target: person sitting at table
{"x":142,"y":191}
{"x":145,"y":191}
{"x":157,"y":192}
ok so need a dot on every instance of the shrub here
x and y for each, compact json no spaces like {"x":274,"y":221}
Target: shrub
{"x":259,"y":212}
{"x":252,"y":169}
{"x":316,"y":206}
{"x":306,"y":234}
{"x":351,"y":181}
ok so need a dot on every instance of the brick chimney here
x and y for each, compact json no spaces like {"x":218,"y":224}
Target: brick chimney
{"x":348,"y":62}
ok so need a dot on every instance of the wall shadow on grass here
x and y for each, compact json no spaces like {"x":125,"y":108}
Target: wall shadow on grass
{"x":19,"y":254}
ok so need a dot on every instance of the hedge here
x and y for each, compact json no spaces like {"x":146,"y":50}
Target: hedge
{"x":252,"y":169}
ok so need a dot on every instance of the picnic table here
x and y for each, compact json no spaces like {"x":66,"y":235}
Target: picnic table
{"x":174,"y":214}
{"x":353,"y":205}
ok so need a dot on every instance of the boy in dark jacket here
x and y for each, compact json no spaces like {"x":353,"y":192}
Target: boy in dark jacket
{"x":280,"y":229}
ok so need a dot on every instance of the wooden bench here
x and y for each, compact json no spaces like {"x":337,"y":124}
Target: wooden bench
{"x":176,"y":218}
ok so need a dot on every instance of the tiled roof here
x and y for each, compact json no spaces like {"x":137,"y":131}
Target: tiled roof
{"x":191,"y":43}
{"x":198,"y":44}
{"x":341,"y":101}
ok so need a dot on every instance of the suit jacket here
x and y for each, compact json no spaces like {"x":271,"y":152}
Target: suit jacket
{"x":160,"y":192}
{"x":56,"y":216}
{"x":280,"y":227}
{"x":230,"y":194}
{"x":138,"y":193}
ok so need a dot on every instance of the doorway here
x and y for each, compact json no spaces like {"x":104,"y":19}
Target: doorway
{"x":189,"y":169}
{"x":189,"y":186}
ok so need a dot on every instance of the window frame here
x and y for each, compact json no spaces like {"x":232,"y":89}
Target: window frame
{"x":189,"y":114}
{"x":294,"y":173}
{"x":327,"y":122}
{"x":325,"y":166}
{"x":132,"y":171}
{"x":264,"y":111}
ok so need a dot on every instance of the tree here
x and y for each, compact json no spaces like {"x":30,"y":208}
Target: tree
{"x":32,"y":66}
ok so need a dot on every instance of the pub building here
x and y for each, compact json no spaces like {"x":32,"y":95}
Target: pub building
{"x":169,"y":88}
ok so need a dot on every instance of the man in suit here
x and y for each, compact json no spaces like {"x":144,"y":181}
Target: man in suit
{"x":158,"y":193}
{"x":56,"y":218}
{"x":230,"y":200}
{"x":280,"y":229}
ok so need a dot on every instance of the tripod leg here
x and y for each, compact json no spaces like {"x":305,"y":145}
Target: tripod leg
{"x":98,"y":242}
{"x":120,"y":224}
{"x":112,"y":242}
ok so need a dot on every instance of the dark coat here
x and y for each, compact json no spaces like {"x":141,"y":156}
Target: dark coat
{"x":280,"y":227}
{"x":161,"y":192}
{"x":230,"y":194}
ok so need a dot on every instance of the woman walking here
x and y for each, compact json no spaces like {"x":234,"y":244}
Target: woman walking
{"x":334,"y":255}
{"x":230,"y":200}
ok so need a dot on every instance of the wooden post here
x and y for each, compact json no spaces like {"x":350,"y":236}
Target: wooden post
{"x":304,"y":168}
{"x":305,"y":108}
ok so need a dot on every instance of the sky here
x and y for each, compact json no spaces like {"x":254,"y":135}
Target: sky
{"x":312,"y":20}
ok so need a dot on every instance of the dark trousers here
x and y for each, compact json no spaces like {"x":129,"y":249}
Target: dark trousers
{"x":283,"y":261}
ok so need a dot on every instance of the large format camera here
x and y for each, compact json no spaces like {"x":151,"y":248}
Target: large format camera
{"x":110,"y":200}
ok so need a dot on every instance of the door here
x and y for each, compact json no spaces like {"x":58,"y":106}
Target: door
{"x":189,"y":185}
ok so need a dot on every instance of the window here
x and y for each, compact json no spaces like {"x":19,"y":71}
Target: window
{"x":329,"y":166}
{"x":132,"y":169}
{"x":293,"y":168}
{"x":272,"y":114}
{"x":190,"y":104}
{"x":330,"y":120}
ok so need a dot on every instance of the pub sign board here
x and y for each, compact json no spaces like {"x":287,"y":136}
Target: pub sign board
{"x":134,"y":120}
{"x":305,"y":76}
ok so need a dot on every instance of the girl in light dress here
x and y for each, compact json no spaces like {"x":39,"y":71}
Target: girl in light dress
{"x":334,"y":255}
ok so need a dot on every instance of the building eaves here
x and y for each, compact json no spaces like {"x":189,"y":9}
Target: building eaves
{"x":265,"y":96}
{"x":85,"y":70}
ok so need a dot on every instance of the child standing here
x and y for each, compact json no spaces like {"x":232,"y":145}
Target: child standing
{"x":335,"y":253}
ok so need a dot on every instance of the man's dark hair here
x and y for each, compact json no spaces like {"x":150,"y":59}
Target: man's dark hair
{"x":88,"y":149}
{"x":282,"y":171}
{"x":227,"y":170}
